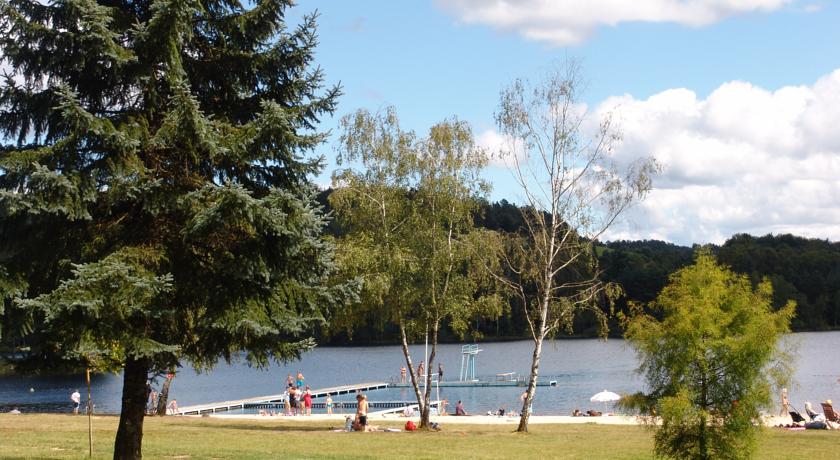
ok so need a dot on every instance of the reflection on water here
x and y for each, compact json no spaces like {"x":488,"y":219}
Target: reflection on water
{"x":581,"y":367}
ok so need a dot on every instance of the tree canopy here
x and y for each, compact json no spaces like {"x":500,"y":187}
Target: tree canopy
{"x":710,"y":363}
{"x":408,"y":205}
{"x":155,"y":195}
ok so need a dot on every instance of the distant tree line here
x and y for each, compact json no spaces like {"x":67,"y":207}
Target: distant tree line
{"x":802,"y":269}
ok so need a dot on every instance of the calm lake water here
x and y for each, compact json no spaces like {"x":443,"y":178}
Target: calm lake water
{"x":581,"y":367}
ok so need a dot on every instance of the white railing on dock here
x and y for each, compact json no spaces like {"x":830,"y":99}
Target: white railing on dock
{"x":222,"y":406}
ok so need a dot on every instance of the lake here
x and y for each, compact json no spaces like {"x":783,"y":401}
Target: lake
{"x":582,"y":367}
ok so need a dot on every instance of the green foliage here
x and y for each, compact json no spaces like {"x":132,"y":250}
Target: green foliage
{"x":710,"y":363}
{"x":806,"y":270}
{"x":155,"y":198}
{"x":407,"y":217}
{"x":409,"y":220}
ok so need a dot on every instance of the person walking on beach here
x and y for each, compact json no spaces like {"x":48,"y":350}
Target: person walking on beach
{"x":307,"y":401}
{"x":402,"y":374}
{"x":785,"y":403}
{"x":76,"y":397}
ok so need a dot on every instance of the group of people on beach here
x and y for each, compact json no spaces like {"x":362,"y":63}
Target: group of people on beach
{"x":297,"y":399}
{"x":828,"y":420}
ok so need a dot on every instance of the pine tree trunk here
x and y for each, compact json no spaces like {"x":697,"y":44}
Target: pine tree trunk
{"x":127,"y":445}
{"x":163,"y":397}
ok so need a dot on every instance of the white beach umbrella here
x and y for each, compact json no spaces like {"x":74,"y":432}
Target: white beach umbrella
{"x":605,"y":397}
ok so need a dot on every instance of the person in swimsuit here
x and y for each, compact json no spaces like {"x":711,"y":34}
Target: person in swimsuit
{"x":361,"y":411}
{"x":785,"y":403}
{"x":293,"y":399}
{"x":300,"y":379}
{"x":329,"y":404}
{"x":307,"y":401}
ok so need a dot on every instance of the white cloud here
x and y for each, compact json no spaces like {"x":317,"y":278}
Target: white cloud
{"x":570,"y":22}
{"x":744,"y":159}
{"x":498,"y":146}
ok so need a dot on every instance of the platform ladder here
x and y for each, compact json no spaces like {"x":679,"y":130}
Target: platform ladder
{"x":468,"y":355}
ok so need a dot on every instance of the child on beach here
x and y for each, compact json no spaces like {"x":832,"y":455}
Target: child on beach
{"x":307,"y":401}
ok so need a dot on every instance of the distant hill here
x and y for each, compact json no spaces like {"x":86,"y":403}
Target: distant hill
{"x":803,"y":269}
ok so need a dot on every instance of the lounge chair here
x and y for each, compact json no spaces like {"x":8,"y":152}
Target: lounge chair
{"x":796,"y":417}
{"x":830,"y":414}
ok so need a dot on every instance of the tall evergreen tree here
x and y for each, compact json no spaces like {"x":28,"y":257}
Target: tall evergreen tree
{"x":154,"y":191}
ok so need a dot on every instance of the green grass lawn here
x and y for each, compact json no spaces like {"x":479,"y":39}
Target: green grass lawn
{"x":65,"y":436}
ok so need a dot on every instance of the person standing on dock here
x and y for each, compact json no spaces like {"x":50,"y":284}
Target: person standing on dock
{"x":402,"y":374}
{"x":420,"y":369}
{"x":440,"y":372}
{"x":329,"y":404}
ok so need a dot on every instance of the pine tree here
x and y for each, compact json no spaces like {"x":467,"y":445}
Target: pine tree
{"x":154,"y":191}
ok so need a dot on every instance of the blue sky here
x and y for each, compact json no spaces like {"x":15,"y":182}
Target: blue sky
{"x":709,"y":66}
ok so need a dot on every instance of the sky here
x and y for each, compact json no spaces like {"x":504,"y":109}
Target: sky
{"x":738,"y":100}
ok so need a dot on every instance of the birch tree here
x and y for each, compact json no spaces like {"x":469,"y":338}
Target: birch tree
{"x":573,"y":191}
{"x":409,"y":207}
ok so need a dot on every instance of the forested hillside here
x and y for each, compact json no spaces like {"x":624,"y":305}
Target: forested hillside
{"x":802,"y":269}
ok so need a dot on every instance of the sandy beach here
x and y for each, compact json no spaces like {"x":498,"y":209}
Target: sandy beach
{"x":466,"y":420}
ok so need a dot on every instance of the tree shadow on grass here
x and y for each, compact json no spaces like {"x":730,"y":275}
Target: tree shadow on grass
{"x":264,"y":427}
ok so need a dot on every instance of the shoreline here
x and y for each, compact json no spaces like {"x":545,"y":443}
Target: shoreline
{"x":768,"y":421}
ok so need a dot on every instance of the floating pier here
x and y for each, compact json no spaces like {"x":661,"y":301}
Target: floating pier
{"x":276,"y":401}
{"x":480,"y":383}
{"x":271,"y":400}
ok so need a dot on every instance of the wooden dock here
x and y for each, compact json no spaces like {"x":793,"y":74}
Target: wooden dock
{"x":268,"y":401}
{"x":479,"y":383}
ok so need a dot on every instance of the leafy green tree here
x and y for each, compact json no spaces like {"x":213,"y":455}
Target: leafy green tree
{"x":410,"y":211}
{"x":573,"y":193}
{"x":710,"y":362}
{"x":154,"y":191}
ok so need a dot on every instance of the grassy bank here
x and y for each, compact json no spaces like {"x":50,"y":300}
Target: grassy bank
{"x":65,"y":436}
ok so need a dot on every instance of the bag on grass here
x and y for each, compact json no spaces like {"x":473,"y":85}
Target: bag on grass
{"x":410,"y":426}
